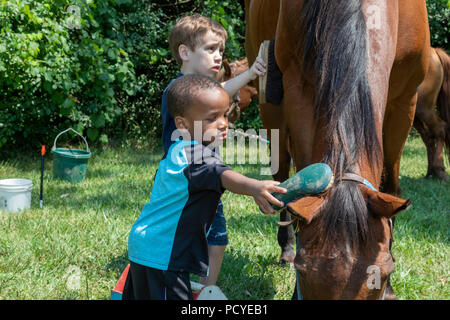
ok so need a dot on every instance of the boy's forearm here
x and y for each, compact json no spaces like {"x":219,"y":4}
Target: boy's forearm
{"x":233,"y":85}
{"x":261,"y":191}
{"x":237,"y":183}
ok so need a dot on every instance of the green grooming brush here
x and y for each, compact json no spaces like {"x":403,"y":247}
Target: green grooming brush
{"x":313,"y":179}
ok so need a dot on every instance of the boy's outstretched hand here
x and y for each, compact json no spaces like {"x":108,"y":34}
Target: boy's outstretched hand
{"x":262,"y":195}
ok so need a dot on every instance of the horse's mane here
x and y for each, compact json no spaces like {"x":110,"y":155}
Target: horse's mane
{"x":334,"y":51}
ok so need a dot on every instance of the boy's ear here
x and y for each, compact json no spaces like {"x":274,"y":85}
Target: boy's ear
{"x":183,"y":52}
{"x":182,"y":131}
{"x":180,"y":122}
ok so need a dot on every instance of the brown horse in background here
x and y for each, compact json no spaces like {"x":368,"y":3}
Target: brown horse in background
{"x":434,"y":127}
{"x":350,"y":75}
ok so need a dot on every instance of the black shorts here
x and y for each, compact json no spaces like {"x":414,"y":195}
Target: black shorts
{"x":145,"y":283}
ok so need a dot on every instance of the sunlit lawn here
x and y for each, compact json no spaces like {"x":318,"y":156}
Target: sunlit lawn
{"x":76,"y":246}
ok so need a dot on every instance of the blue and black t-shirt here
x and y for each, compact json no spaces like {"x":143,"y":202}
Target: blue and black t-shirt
{"x":168,"y":122}
{"x":170,"y":233}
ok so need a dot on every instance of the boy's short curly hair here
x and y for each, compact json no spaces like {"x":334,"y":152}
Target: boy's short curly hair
{"x":190,"y":31}
{"x":183,"y":91}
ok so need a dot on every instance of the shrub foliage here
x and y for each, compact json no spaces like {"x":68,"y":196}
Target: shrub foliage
{"x":100,"y":66}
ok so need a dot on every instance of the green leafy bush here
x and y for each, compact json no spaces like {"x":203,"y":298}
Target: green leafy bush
{"x":99,"y":66}
{"x":58,"y":69}
{"x":439,"y":18}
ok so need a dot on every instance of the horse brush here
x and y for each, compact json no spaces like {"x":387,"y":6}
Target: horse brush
{"x":313,"y":179}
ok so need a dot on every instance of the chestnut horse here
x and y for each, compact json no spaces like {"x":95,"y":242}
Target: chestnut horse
{"x":434,"y":127}
{"x":350,"y":75}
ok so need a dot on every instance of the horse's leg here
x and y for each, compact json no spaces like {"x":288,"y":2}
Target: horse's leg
{"x":272,"y":119}
{"x":285,"y":235}
{"x":430,"y":126}
{"x":438,"y":160}
{"x":261,"y":22}
{"x":437,"y":168}
{"x":398,"y":120}
{"x":432,"y":130}
{"x":285,"y":238}
{"x":296,"y":101}
{"x":424,"y":132}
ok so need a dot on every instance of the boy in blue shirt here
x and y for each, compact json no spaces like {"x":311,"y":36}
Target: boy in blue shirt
{"x":168,"y":241}
{"x":197,"y":44}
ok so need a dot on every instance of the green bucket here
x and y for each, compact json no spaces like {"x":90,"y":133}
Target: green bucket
{"x":70,"y":164}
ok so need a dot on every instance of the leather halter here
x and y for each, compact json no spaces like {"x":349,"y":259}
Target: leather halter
{"x":347,"y":177}
{"x":356,"y":178}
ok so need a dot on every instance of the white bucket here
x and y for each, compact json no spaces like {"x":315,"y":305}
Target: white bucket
{"x":15,"y":194}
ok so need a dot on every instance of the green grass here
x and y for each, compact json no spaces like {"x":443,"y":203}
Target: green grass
{"x":81,"y":233}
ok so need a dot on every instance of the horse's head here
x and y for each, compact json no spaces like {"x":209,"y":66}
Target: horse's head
{"x":244,"y":96}
{"x":335,"y":259}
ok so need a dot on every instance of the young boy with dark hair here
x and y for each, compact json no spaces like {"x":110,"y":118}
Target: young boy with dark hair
{"x":168,"y":241}
{"x":197,"y":44}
